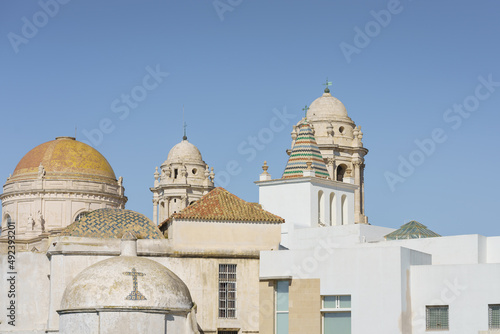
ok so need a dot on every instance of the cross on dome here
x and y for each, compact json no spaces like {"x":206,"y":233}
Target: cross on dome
{"x":327,"y":83}
{"x":135,"y":294}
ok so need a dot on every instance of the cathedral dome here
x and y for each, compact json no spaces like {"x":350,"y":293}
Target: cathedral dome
{"x":64,"y":158}
{"x":326,"y":106}
{"x":127,"y":282}
{"x":184,"y":152}
{"x":113,"y":223}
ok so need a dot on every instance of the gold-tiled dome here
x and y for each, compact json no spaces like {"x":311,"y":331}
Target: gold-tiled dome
{"x":64,"y":158}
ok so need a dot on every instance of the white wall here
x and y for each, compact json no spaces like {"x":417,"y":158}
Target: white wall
{"x":460,"y":249}
{"x":467,"y":289}
{"x":296,"y":200}
{"x":493,"y":250}
{"x":374,"y":277}
{"x":344,"y":235}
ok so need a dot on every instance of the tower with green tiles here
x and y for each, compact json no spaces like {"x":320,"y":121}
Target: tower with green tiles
{"x":305,"y":155}
{"x":339,"y":140}
{"x":322,"y":183}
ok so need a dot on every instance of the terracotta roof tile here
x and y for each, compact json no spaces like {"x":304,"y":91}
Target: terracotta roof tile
{"x":220,"y":205}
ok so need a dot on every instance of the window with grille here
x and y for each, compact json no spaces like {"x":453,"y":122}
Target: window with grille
{"x":227,"y":291}
{"x":336,"y":314}
{"x":227,"y":332}
{"x":494,"y":316}
{"x":437,"y":317}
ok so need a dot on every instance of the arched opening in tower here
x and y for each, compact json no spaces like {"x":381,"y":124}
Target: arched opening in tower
{"x":340,"y":173}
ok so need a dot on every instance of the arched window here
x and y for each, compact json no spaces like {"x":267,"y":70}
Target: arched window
{"x":81,"y":215}
{"x":333,"y":210}
{"x":162,"y":212}
{"x":340,"y":172}
{"x":321,"y":208}
{"x":344,"y":208}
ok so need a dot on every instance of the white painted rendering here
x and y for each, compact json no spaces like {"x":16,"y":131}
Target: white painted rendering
{"x":301,"y":201}
{"x":391,"y":282}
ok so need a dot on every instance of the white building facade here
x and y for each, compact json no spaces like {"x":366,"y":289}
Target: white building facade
{"x":336,"y":274}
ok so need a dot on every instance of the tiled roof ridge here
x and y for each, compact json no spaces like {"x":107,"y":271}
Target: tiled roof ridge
{"x":221,"y":205}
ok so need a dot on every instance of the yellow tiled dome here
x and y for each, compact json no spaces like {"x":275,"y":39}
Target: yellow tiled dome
{"x":64,"y":158}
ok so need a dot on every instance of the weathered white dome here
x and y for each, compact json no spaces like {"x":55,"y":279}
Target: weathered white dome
{"x":127,"y":282}
{"x":326,"y":106}
{"x":184,"y":152}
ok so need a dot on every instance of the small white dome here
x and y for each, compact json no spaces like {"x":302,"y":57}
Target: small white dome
{"x":326,"y":106}
{"x":184,"y":152}
{"x":127,"y":282}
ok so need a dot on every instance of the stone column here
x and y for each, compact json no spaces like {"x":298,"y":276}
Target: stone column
{"x":330,"y":164}
{"x":167,"y":209}
{"x":155,"y":211}
{"x":358,"y":219}
{"x":362,"y":197}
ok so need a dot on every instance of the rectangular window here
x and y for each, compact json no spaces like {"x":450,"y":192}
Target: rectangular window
{"x":336,"y":314}
{"x":282,"y":307}
{"x":494,"y":316}
{"x":436,"y":317}
{"x":227,"y":332}
{"x":227,"y":291}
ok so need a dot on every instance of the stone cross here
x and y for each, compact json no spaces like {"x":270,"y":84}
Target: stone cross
{"x":135,"y":294}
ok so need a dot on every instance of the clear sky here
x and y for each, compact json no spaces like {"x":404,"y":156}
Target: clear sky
{"x":422,"y":78}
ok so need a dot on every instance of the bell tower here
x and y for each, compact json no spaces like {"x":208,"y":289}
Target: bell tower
{"x":181,"y":180}
{"x":340,"y":143}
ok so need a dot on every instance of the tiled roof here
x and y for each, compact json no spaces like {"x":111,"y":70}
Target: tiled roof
{"x":305,"y":149}
{"x":113,"y":223}
{"x":411,"y":230}
{"x":220,"y":205}
{"x":64,"y":157}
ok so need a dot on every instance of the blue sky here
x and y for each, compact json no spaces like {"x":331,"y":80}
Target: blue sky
{"x":404,"y":70}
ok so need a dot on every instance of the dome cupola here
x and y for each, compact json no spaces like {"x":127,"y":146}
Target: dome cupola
{"x":184,"y":152}
{"x":56,"y":183}
{"x":127,"y":294}
{"x":64,"y":158}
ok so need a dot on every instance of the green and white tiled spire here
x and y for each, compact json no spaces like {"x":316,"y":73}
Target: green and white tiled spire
{"x":305,"y":150}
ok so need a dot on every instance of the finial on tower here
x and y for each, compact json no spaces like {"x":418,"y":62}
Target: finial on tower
{"x":265,"y":167}
{"x":305,"y":109}
{"x":265,"y":176}
{"x":327,"y":83}
{"x":184,"y":125}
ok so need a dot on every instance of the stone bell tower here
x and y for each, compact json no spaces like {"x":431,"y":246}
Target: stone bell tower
{"x":340,"y":143}
{"x":181,"y":180}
